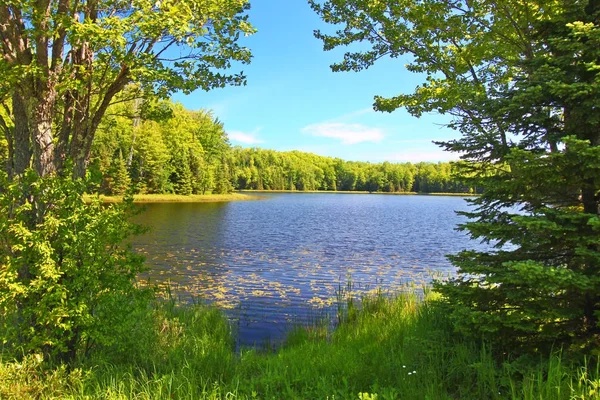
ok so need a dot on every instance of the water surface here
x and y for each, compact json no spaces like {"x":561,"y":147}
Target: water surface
{"x":277,"y":261}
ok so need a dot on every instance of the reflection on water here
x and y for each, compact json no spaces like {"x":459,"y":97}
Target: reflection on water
{"x":275,"y":261}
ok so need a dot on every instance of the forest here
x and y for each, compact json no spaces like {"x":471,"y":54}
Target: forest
{"x":161,"y":148}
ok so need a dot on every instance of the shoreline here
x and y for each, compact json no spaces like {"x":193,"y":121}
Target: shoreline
{"x":248,"y":195}
{"x":359,"y":192}
{"x":179,"y":198}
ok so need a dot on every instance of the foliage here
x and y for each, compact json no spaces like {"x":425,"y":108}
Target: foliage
{"x":180,"y":152}
{"x":261,"y":169}
{"x":188,"y":152}
{"x":392,"y":348}
{"x":64,"y":62}
{"x":117,"y":180}
{"x":521,"y":81}
{"x":67,"y":285}
{"x":543,"y":286}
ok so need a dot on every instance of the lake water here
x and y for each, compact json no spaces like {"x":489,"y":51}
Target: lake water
{"x":277,"y":261}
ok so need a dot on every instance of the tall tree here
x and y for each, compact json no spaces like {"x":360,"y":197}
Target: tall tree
{"x":521,"y":80}
{"x":64,"y":61}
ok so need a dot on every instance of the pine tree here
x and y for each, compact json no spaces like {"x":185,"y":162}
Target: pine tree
{"x":117,"y":179}
{"x":541,"y":201}
{"x":223,"y":178}
{"x":521,"y":81}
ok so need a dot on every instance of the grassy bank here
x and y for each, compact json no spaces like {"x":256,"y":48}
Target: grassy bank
{"x":400,"y":348}
{"x":176,"y":198}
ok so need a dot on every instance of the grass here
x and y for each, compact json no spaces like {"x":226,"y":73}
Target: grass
{"x":383,"y":348}
{"x":176,"y":198}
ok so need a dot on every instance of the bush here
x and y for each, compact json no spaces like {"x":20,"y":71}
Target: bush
{"x":67,"y":284}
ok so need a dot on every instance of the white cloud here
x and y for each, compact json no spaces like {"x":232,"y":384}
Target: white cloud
{"x":246,"y":137}
{"x":347,"y":133}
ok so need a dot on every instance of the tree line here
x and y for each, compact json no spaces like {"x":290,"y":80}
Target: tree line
{"x":161,"y":147}
{"x":261,"y":169}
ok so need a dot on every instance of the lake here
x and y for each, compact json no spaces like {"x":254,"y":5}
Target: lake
{"x":274,"y":262}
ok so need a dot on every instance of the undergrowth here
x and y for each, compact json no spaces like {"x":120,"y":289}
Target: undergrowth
{"x":383,"y":348}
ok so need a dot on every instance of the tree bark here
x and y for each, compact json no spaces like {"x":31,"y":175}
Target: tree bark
{"x":22,"y":147}
{"x":42,"y":137}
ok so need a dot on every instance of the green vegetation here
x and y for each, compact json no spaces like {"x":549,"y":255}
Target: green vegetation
{"x":86,"y":81}
{"x":65,"y":62}
{"x":521,"y":81}
{"x":177,"y":198}
{"x":160,"y":147}
{"x":259,"y":169}
{"x":67,"y":285}
{"x":388,"y":348}
{"x":163,"y":148}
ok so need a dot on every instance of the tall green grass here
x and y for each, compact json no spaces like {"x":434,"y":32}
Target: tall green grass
{"x":384,"y":348}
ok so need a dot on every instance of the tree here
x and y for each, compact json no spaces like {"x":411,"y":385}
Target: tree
{"x":65,"y":281}
{"x":223,"y":178}
{"x":271,"y":170}
{"x":67,"y":284}
{"x":117,"y":179}
{"x":63,"y":62}
{"x":520,"y":79}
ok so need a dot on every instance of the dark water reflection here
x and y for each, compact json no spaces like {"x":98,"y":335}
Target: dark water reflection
{"x":275,"y":261}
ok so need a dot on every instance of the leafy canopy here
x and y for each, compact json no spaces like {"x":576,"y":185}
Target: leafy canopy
{"x":163,"y":45}
{"x":63,"y":62}
{"x":66,"y":282}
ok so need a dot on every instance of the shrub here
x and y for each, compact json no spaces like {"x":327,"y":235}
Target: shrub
{"x":67,"y":283}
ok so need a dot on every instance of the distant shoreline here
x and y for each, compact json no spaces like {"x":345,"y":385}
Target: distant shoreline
{"x":179,"y":198}
{"x":359,"y":192}
{"x":247,"y":195}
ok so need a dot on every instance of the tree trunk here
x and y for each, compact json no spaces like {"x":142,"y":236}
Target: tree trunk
{"x":42,"y":138}
{"x":81,"y":147}
{"x":78,"y":153}
{"x":22,"y":146}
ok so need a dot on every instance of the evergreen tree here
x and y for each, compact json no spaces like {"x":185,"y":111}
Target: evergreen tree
{"x":117,"y":180}
{"x":223,"y":179}
{"x":181,"y":177}
{"x":522,"y":81}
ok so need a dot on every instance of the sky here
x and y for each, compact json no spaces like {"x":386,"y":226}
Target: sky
{"x":293,"y":101}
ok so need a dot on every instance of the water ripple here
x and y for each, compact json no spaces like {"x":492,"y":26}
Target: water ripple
{"x":273,"y":262}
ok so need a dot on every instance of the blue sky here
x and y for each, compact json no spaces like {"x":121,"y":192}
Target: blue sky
{"x":294,"y":102}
